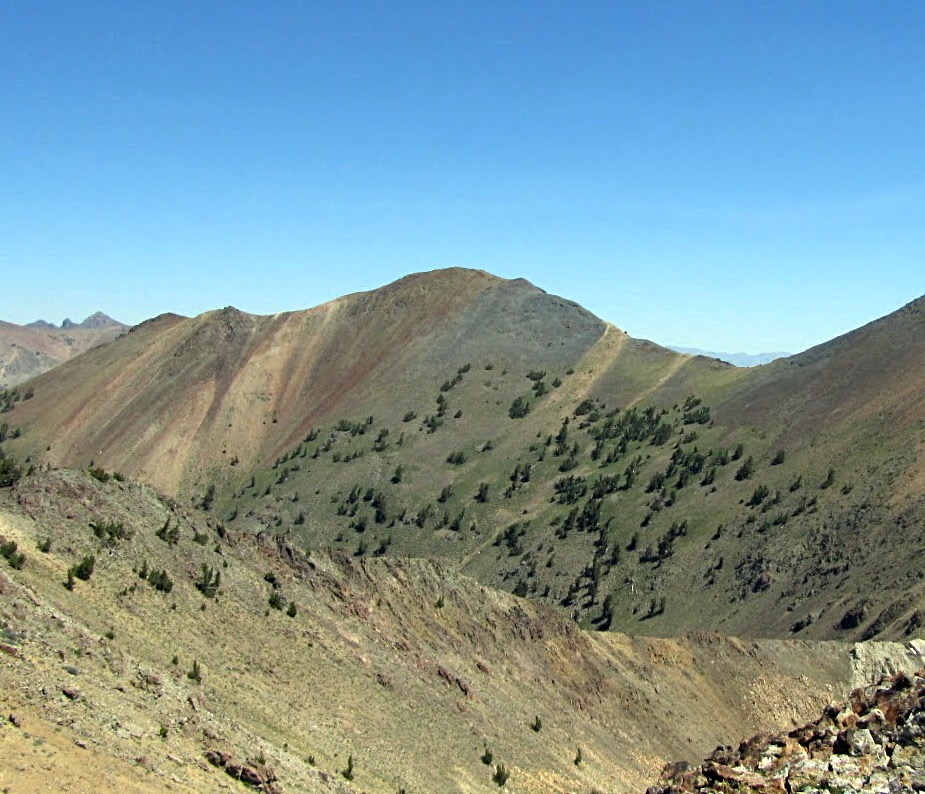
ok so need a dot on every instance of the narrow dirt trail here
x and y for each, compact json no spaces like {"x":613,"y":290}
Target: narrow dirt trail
{"x":674,"y":368}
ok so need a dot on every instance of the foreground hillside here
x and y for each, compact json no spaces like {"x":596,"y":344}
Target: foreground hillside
{"x":188,"y":652}
{"x":30,"y":350}
{"x":460,"y":417}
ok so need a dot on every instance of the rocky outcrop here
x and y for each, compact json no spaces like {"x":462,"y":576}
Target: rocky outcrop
{"x":874,"y":743}
{"x":253,"y":773}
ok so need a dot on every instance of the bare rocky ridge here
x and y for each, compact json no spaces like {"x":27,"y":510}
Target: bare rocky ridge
{"x":874,"y":742}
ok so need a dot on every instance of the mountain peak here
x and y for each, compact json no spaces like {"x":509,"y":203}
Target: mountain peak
{"x":94,"y":322}
{"x":445,"y":278}
{"x":99,"y":320}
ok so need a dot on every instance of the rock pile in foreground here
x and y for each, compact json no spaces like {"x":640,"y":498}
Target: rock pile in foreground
{"x":873,"y":743}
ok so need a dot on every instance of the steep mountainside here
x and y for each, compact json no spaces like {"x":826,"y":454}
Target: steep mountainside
{"x":30,"y":350}
{"x":458,"y":416}
{"x":146,"y":646}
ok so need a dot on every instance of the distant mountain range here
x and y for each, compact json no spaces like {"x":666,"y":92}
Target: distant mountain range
{"x":31,"y":349}
{"x":95,"y":321}
{"x":736,"y":359}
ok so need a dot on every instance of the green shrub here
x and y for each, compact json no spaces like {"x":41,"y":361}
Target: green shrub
{"x":519,"y":408}
{"x":160,"y":581}
{"x":10,"y":473}
{"x":98,"y":474}
{"x":84,"y":569}
{"x":110,"y":531}
{"x":209,"y":581}
{"x":746,"y":470}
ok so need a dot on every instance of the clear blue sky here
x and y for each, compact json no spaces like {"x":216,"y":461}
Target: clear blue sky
{"x":732,"y":176}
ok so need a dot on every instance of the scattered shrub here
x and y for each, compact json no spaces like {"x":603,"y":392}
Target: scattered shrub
{"x":160,"y":581}
{"x":519,"y":408}
{"x":84,"y":569}
{"x":746,"y":470}
{"x":209,"y":581}
{"x":15,"y":558}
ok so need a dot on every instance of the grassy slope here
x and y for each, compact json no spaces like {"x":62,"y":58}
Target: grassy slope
{"x":799,"y":560}
{"x":406,"y":665}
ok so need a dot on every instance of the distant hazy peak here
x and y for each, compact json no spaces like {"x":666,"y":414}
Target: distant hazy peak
{"x":736,"y":359}
{"x":95,"y":321}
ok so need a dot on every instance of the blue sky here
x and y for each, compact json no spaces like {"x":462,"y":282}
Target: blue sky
{"x":732,"y":176}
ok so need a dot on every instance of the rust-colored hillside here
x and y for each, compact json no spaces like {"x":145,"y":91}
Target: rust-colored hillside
{"x":171,"y":398}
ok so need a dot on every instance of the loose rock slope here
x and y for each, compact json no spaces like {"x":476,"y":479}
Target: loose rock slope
{"x":874,"y":742}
